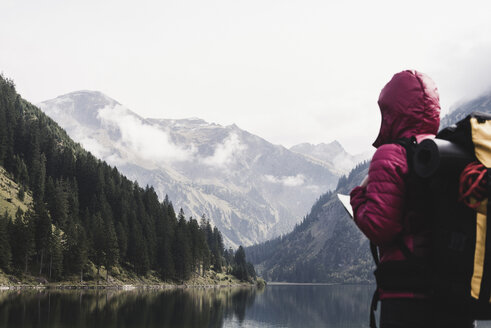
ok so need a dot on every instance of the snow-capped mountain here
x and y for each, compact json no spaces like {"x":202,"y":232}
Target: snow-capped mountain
{"x":249,"y":188}
{"x":333,"y":155}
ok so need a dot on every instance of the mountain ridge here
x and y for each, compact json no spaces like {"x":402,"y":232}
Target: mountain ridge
{"x":251,"y":189}
{"x":333,"y":154}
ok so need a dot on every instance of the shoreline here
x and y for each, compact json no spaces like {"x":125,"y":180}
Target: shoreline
{"x":211,"y":280}
{"x":125,"y":280}
{"x":121,"y":287}
{"x":278,"y":283}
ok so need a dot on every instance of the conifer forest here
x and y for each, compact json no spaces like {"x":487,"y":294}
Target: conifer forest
{"x":85,"y":213}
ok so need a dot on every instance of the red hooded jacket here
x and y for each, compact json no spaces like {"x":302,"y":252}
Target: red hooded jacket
{"x":409,"y":105}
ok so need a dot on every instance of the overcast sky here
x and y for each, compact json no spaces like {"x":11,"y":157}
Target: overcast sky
{"x":289,"y":71}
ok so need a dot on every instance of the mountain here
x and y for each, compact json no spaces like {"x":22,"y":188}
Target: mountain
{"x":249,"y":188}
{"x":65,"y":214}
{"x":333,"y":155}
{"x":327,"y":246}
{"x":478,"y":104}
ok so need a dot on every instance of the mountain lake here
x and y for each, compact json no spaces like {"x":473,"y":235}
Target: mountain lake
{"x":336,"y":306}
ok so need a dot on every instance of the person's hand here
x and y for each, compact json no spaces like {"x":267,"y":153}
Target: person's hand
{"x":364,"y":182}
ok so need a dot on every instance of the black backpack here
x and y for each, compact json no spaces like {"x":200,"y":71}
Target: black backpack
{"x":458,"y":274}
{"x":461,"y":262}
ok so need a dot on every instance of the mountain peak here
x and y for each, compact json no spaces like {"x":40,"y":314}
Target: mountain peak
{"x":332,"y":149}
{"x":86,"y":96}
{"x":334,"y":146}
{"x":83,"y":106}
{"x":333,"y":154}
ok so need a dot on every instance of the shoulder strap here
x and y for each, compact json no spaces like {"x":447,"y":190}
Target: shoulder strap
{"x":410,"y":145}
{"x":374,"y":250}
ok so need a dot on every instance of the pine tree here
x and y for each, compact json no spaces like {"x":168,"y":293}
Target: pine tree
{"x":21,"y":194}
{"x":58,"y":202}
{"x":204,"y":246}
{"x":122,"y":237}
{"x":217,"y":250}
{"x":98,"y":242}
{"x":229,"y":257}
{"x":75,"y":254}
{"x":37,"y":167}
{"x":42,"y":223}
{"x":3,"y":135}
{"x":81,"y":253}
{"x":165,"y":262}
{"x":111,"y":246}
{"x":5,"y":250}
{"x":181,"y":250}
{"x":55,"y":255}
{"x":240,"y":269}
{"x":21,"y":233}
{"x":137,"y":249}
{"x":194,"y":234}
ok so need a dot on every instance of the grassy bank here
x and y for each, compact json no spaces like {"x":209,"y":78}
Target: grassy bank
{"x":122,"y":280}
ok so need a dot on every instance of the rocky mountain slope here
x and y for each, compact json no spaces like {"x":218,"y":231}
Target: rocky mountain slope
{"x":325,"y":247}
{"x":333,"y":154}
{"x":251,"y":189}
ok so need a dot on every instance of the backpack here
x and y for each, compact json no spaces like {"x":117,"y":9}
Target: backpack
{"x":458,"y":274}
{"x":461,"y":262}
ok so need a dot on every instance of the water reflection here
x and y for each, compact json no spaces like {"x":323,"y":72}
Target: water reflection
{"x":339,"y":306}
{"x":137,"y":308}
{"x":282,"y":306}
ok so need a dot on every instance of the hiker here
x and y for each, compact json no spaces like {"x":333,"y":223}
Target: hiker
{"x":391,"y":220}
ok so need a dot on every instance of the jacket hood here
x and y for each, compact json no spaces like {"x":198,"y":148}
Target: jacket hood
{"x":410,"y":106}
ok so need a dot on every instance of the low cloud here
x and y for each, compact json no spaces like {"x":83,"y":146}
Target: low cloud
{"x":94,"y":147}
{"x":226,"y":152}
{"x":146,"y":141}
{"x":288,"y":181}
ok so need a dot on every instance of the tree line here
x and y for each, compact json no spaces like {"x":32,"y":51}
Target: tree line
{"x":85,"y":212}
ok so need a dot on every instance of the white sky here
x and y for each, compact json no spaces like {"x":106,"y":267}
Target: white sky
{"x":289,"y":71}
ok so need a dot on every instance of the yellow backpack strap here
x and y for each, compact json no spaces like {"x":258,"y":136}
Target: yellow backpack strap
{"x":481,"y":278}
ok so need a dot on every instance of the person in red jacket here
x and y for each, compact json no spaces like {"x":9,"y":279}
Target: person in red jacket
{"x":410,"y":107}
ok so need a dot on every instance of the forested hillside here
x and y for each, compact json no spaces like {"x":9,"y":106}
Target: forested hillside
{"x":84,"y":213}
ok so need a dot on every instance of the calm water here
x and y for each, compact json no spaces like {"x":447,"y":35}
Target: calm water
{"x":276,"y":306}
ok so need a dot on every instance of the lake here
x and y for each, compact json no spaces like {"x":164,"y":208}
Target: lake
{"x":338,"y":306}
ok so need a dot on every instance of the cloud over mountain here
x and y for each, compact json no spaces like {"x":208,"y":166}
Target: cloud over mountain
{"x":288,"y":181}
{"x":249,"y":188}
{"x":147,"y":141}
{"x":225,"y":152}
